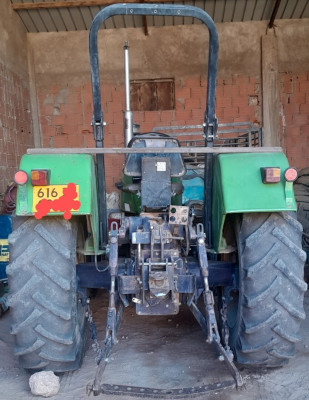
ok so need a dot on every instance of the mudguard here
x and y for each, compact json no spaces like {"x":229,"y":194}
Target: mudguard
{"x":64,"y":170}
{"x":238,"y":188}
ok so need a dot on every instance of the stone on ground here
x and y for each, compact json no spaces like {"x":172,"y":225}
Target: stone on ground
{"x":44,"y":383}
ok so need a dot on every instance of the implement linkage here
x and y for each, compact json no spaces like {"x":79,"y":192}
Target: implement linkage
{"x":209,"y":325}
{"x":93,"y":331}
{"x":113,"y":317}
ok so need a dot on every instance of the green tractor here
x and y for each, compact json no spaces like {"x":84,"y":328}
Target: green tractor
{"x":236,"y":261}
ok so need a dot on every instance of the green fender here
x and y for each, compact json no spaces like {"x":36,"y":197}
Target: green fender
{"x":238,"y":188}
{"x":64,"y":169}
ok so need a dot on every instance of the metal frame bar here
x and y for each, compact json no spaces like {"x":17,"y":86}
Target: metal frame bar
{"x":155,"y":150}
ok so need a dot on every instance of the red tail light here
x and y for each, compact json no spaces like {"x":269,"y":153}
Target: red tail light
{"x":40,"y":177}
{"x":21,"y":177}
{"x":290,"y":174}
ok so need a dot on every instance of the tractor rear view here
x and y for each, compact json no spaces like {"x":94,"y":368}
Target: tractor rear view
{"x":236,"y":260}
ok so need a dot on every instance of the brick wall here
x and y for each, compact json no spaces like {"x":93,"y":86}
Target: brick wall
{"x":294,"y":117}
{"x":15,"y":121}
{"x":65,"y":113}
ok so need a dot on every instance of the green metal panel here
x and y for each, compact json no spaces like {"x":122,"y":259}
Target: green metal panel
{"x":64,"y":169}
{"x":238,"y":188}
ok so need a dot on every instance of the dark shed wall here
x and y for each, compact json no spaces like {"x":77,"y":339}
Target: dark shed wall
{"x":15,"y":115}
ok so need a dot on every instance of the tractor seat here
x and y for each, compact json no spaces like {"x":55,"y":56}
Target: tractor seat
{"x":133,"y":165}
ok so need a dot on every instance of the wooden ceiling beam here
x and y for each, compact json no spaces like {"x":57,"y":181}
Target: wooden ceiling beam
{"x":73,"y":3}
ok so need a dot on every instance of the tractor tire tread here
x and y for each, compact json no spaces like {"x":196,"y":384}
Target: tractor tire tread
{"x":270,"y":305}
{"x":21,"y":351}
{"x":46,"y":319}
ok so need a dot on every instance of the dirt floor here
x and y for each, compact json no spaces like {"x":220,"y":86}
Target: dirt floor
{"x":161,"y":352}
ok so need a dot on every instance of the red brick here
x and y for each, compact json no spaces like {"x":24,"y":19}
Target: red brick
{"x":298,"y":98}
{"x":89,"y":141}
{"x":192,"y":104}
{"x":193,"y":82}
{"x":244,"y":90}
{"x":106,"y":93}
{"x":289,"y":120}
{"x":139,"y":116}
{"x":180,"y":122}
{"x":48,"y":130}
{"x":183,"y":93}
{"x":119,"y":97}
{"x":294,"y":148}
{"x":291,"y":109}
{"x":11,"y":160}
{"x":304,"y":108}
{"x":118,"y":117}
{"x":58,"y":120}
{"x":152,"y":116}
{"x":199,"y":113}
{"x":304,"y":130}
{"x":248,"y":110}
{"x":293,"y":131}
{"x":226,"y":120}
{"x":224,"y":101}
{"x":76,"y":140}
{"x":227,"y":81}
{"x":46,"y":120}
{"x":230,"y":112}
{"x":203,"y":82}
{"x":180,"y":104}
{"x":219,"y":91}
{"x":301,"y":119}
{"x":239,"y":101}
{"x":148,"y":126}
{"x":198,"y":92}
{"x":73,"y":119}
{"x":60,"y":141}
{"x":47,"y":141}
{"x":288,"y":86}
{"x":230,"y":90}
{"x":167,"y":116}
{"x":183,"y":115}
{"x":114,"y":106}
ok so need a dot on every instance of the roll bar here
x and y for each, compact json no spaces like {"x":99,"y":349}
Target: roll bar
{"x":210,"y":120}
{"x":154,"y":10}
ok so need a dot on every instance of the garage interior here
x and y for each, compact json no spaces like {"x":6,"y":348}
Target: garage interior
{"x":46,"y":98}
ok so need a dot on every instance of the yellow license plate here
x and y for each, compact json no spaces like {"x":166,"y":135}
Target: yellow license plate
{"x":4,"y":250}
{"x":50,"y":192}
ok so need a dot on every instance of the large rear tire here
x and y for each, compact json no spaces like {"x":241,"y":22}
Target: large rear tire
{"x":264,"y":315}
{"x":48,"y":320}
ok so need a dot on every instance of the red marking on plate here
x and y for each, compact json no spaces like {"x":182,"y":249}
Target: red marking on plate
{"x":64,"y":204}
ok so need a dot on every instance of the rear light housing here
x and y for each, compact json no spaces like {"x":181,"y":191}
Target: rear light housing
{"x":40,"y":177}
{"x":291,"y":174}
{"x":21,"y":177}
{"x":271,"y":174}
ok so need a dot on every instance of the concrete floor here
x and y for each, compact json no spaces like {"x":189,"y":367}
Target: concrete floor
{"x":161,"y":352}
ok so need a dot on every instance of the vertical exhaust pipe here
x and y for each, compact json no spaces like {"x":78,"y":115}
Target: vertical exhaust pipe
{"x":127,"y":114}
